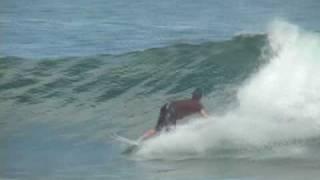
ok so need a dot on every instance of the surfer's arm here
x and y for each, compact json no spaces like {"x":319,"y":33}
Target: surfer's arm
{"x":148,"y":134}
{"x":204,"y":113}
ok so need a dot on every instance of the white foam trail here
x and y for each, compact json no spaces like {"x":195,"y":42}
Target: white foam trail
{"x":279,"y":103}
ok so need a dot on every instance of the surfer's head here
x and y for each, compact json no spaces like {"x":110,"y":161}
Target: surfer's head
{"x":197,"y":94}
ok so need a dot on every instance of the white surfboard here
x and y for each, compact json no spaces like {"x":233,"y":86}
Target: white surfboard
{"x":132,"y":145}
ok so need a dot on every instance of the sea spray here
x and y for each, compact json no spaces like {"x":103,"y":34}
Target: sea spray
{"x":278,"y":105}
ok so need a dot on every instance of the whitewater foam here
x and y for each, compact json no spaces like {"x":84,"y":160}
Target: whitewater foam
{"x":277,"y":104}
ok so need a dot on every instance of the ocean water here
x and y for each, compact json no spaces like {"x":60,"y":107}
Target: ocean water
{"x":74,"y":73}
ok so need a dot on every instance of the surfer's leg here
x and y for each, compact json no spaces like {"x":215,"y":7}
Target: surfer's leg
{"x":162,"y":118}
{"x":160,"y":124}
{"x":167,"y":120}
{"x":170,"y":118}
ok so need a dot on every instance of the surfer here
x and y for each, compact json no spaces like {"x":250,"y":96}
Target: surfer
{"x":177,"y":110}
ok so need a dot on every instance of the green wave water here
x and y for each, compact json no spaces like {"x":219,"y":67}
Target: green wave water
{"x":173,"y":69}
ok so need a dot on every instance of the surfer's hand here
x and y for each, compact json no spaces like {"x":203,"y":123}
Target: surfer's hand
{"x":204,"y":113}
{"x":148,"y":134}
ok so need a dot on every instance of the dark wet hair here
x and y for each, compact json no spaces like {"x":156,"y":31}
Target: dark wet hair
{"x":197,"y":93}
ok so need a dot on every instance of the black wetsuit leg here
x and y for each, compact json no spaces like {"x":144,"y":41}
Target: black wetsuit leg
{"x":161,"y":119}
{"x":167,"y":118}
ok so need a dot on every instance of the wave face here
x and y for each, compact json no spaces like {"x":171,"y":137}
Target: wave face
{"x":261,"y":90}
{"x":173,"y":69}
{"x":104,"y":87}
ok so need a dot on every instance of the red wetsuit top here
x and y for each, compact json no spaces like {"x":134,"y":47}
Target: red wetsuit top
{"x":187,"y":107}
{"x":171,"y":112}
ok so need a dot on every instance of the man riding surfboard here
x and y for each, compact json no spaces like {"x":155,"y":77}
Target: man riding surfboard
{"x":177,"y":110}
